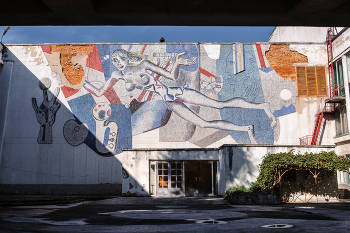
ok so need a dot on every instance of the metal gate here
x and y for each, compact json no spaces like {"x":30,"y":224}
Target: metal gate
{"x":309,"y":186}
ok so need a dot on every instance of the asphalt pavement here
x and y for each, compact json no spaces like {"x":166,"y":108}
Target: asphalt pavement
{"x":149,"y":214}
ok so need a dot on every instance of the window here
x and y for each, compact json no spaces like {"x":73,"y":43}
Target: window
{"x":311,"y":81}
{"x":338,"y":78}
{"x":341,"y":121}
{"x":344,"y":177}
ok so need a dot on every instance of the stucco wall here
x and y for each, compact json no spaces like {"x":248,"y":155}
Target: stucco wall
{"x":341,"y":44}
{"x":129,"y":96}
{"x":299,"y":34}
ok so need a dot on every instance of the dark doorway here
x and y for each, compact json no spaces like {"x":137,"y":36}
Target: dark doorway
{"x":199,"y":178}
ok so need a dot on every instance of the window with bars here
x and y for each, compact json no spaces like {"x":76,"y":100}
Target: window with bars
{"x":311,"y":81}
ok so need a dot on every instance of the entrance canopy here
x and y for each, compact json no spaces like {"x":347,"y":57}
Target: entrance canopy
{"x":176,"y":13}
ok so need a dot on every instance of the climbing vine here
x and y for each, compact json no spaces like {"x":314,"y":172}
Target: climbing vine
{"x":273,"y":163}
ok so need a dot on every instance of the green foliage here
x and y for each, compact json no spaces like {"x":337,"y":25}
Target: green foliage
{"x":236,"y":190}
{"x":240,"y":190}
{"x":271,"y":162}
{"x":254,"y":188}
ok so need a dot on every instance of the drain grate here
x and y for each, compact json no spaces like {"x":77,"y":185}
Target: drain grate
{"x":278,"y":226}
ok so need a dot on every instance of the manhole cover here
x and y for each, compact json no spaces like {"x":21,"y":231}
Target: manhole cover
{"x":278,"y":226}
{"x":207,"y":221}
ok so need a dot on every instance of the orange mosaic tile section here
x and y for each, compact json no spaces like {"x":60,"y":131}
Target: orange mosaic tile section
{"x":73,"y":73}
{"x":281,"y":59}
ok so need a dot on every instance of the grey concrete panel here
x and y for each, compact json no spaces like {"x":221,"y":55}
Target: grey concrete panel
{"x":6,"y":175}
{"x":67,"y":162}
{"x":4,"y":88}
{"x":54,"y":160}
{"x":41,"y":178}
{"x":53,"y":179}
{"x":66,"y":180}
{"x":92,"y":167}
{"x":29,"y":157}
{"x":42,"y":165}
{"x":104,"y":170}
{"x":79,"y":170}
{"x":116,"y":171}
{"x":27,"y":177}
{"x":5,"y":159}
{"x":20,"y":107}
{"x":15,"y":156}
{"x":21,"y":140}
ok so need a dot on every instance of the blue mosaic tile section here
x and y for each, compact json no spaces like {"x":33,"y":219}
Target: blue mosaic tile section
{"x":245,"y":85}
{"x":266,"y":70}
{"x":284,"y":111}
{"x":105,"y":52}
{"x":191,"y":51}
{"x":82,"y":110}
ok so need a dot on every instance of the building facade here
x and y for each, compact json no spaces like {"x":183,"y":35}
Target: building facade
{"x":159,"y":119}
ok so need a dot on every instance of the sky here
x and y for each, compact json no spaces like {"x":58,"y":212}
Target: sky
{"x":115,"y":34}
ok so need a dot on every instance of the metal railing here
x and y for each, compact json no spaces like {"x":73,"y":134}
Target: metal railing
{"x":339,"y":90}
{"x":306,"y":140}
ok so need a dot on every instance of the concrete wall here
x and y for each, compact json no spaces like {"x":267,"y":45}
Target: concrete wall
{"x":299,"y":34}
{"x":132,"y":96}
{"x":24,"y":160}
{"x":341,"y":44}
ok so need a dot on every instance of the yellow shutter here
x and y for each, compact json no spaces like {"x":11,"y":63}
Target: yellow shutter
{"x":301,"y":81}
{"x":311,"y":81}
{"x":321,"y":81}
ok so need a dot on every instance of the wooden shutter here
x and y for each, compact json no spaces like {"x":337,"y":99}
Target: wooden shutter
{"x":321,"y":81}
{"x":301,"y":81}
{"x":311,"y":81}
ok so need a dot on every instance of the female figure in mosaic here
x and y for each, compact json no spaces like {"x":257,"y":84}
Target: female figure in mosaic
{"x":138,"y":77}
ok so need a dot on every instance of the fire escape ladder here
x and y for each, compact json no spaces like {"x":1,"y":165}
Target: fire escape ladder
{"x":317,"y":128}
{"x":324,"y":107}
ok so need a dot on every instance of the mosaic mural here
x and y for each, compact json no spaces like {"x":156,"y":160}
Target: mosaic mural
{"x":189,"y":92}
{"x":46,"y":112}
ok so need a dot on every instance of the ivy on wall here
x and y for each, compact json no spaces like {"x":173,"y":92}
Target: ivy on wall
{"x":272,"y":164}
